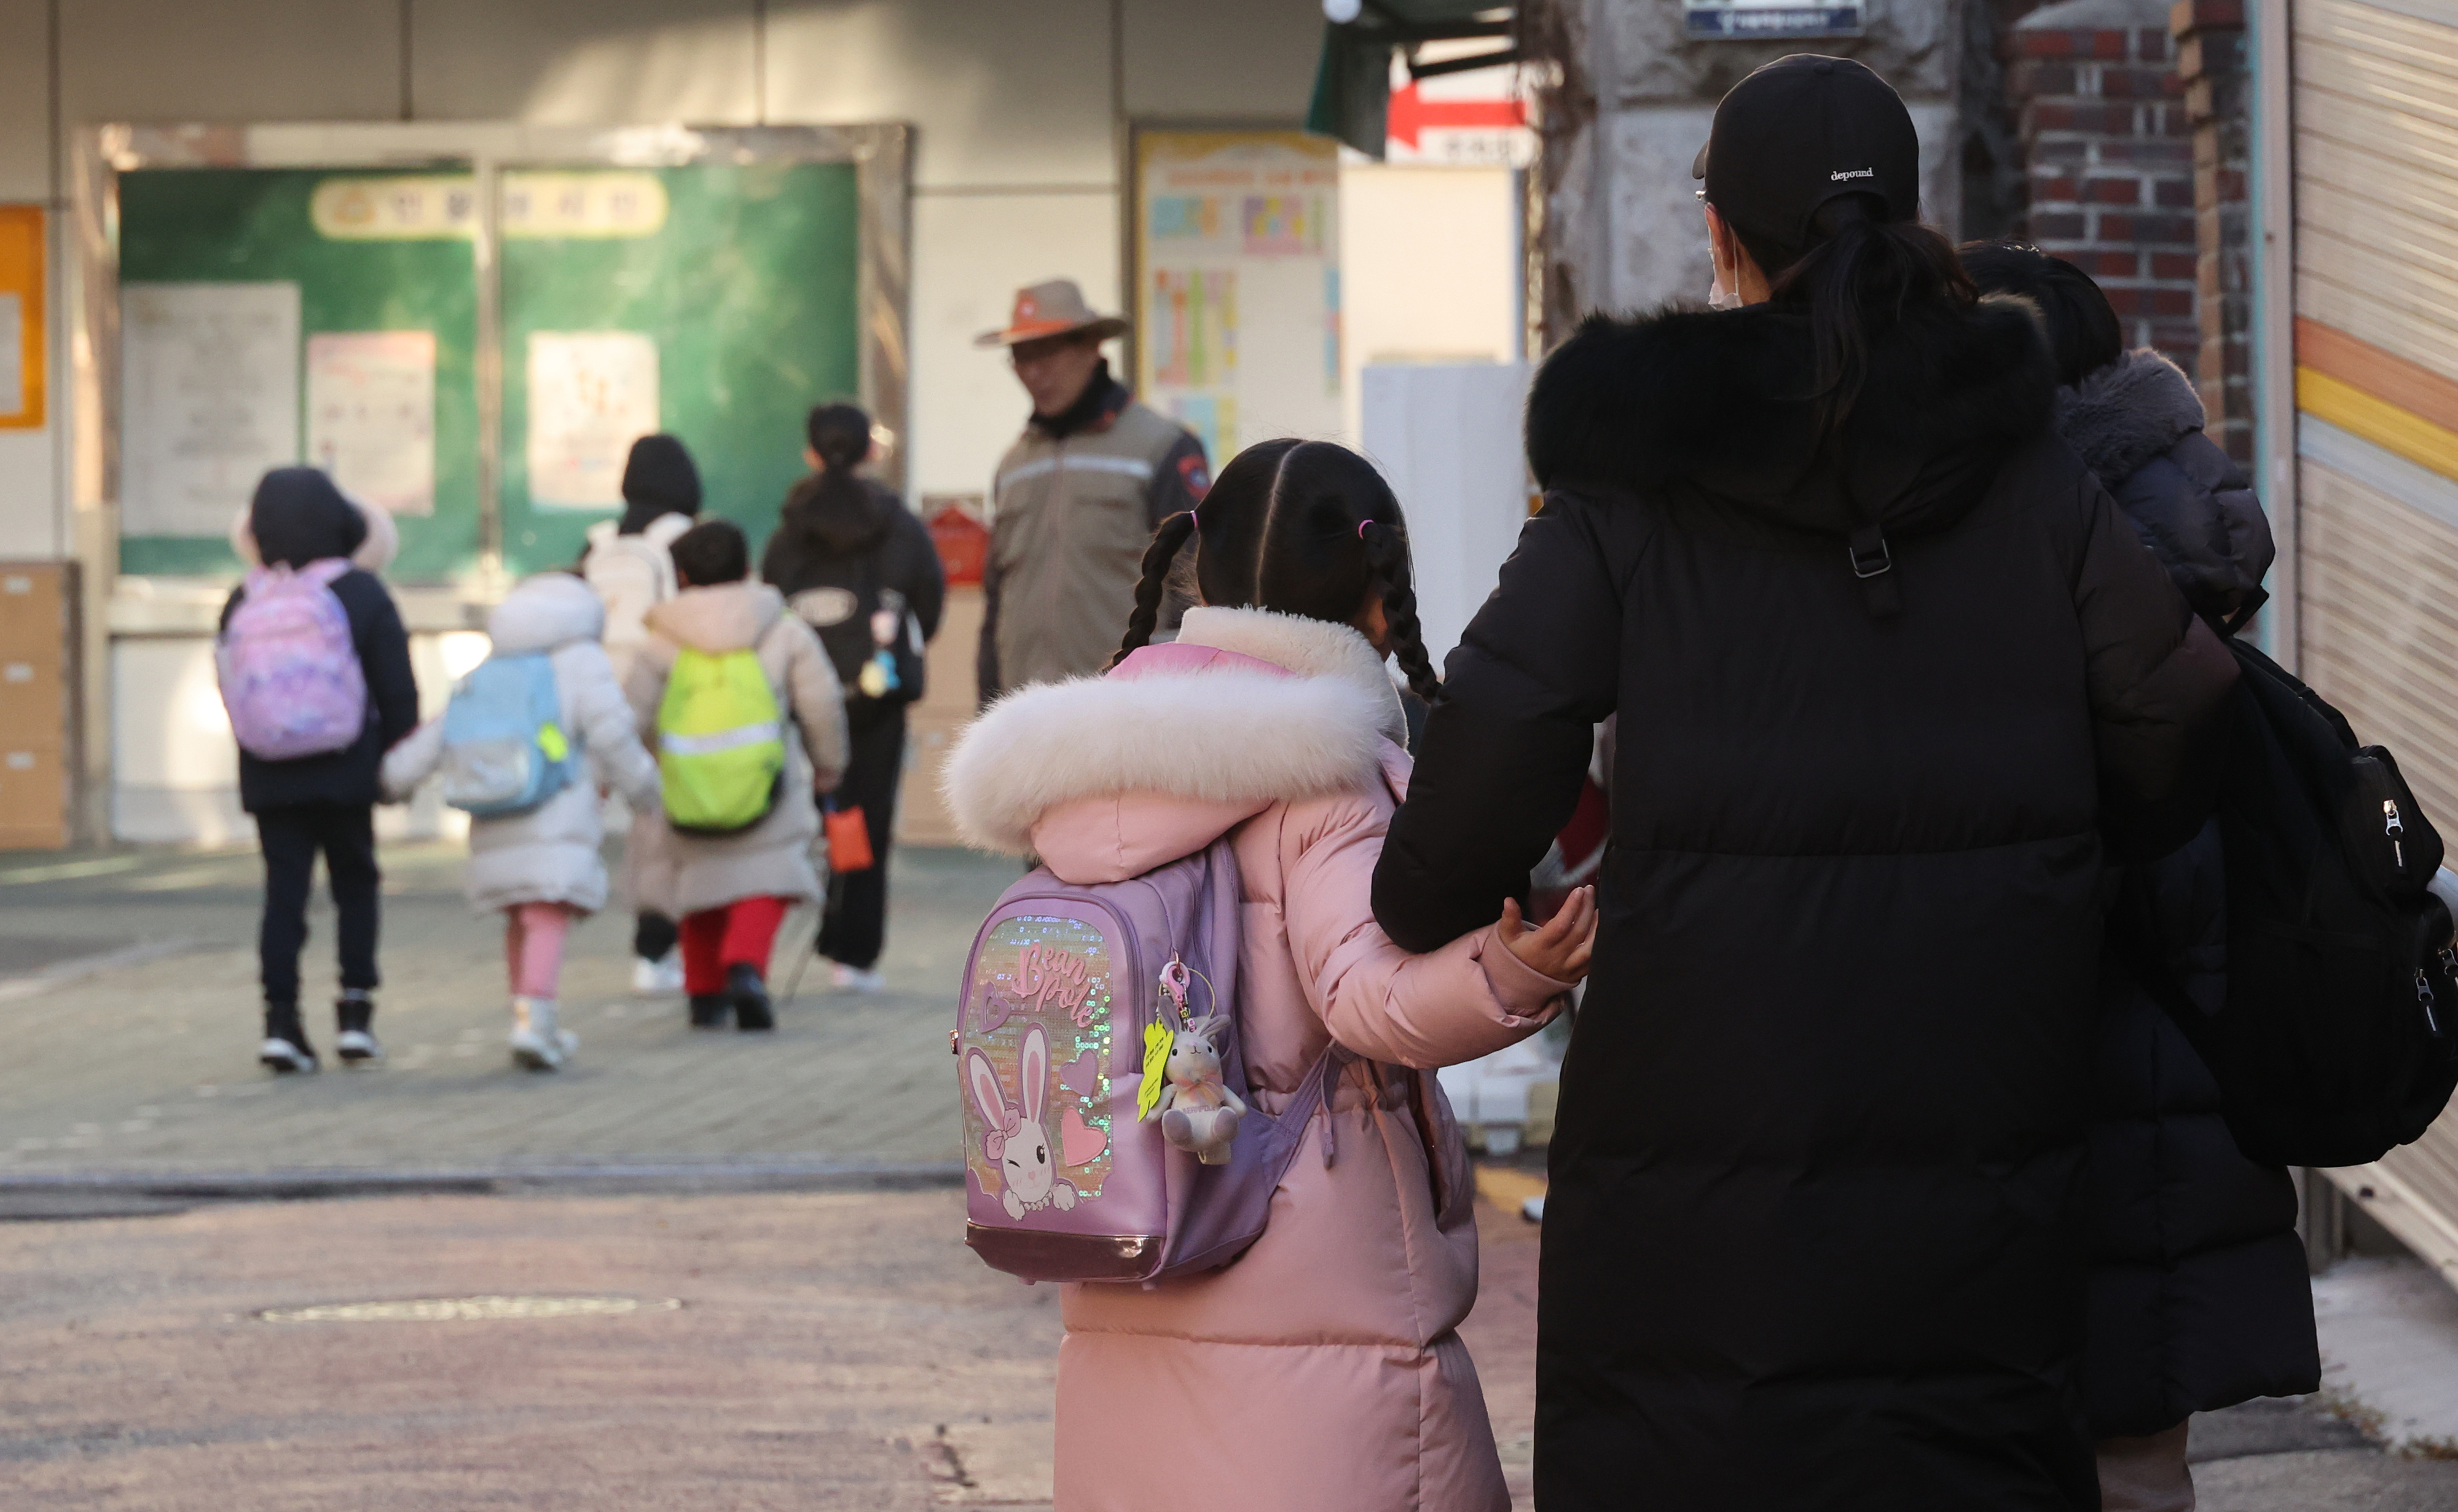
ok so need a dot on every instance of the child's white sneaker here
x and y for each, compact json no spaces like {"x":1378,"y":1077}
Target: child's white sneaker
{"x":857,"y":978}
{"x":538,"y":1042}
{"x":661,"y":978}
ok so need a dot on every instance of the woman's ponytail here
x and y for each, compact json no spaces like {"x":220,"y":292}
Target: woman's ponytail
{"x":1860,"y":275}
{"x":1387,"y":553}
{"x":1158,"y":558}
{"x":839,"y":511}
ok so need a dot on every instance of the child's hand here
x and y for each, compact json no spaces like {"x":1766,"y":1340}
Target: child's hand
{"x":1558,"y":948}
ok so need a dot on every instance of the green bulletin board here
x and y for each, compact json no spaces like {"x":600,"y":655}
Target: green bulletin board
{"x":744,"y":282}
{"x":748,"y":290}
{"x":241,"y":225}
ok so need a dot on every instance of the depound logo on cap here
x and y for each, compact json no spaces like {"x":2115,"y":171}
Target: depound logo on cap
{"x":1842,"y":174}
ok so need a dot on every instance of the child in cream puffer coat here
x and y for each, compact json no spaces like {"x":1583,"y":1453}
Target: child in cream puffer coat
{"x":542,"y":868}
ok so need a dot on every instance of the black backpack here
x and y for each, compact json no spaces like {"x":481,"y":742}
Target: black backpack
{"x":2339,"y":1038}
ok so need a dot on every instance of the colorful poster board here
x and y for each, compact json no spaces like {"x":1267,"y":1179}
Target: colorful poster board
{"x":371,"y":414}
{"x":259,"y":226}
{"x":209,"y":400}
{"x":721,"y":298}
{"x":592,"y":394}
{"x":23,"y":359}
{"x":1238,"y":283}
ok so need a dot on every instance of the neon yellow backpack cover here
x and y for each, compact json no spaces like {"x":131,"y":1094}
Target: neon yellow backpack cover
{"x":720,"y":742}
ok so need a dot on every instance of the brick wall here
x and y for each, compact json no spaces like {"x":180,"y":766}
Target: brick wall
{"x":2211,"y":62}
{"x":2109,"y":153}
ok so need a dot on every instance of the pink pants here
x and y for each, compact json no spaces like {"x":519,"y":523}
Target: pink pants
{"x":534,"y":946}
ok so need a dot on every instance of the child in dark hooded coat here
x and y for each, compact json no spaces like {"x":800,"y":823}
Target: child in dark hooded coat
{"x":324,"y":802}
{"x":2199,"y":1294}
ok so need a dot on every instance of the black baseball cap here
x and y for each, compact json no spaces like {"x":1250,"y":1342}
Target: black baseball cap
{"x":1798,"y":132}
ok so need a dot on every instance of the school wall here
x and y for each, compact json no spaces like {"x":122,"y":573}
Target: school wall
{"x":1021,"y":114}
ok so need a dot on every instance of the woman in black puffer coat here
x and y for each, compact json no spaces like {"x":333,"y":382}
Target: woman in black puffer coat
{"x":2199,"y":1294}
{"x":861,"y":569}
{"x":1889,"y":665}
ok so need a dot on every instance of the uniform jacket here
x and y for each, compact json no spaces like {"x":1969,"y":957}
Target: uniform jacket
{"x":1073,"y":508}
{"x":2198,"y":1292}
{"x":1322,"y":1369}
{"x":772,"y":858}
{"x":549,"y":855}
{"x":1815,"y":1236}
{"x":298,"y":517}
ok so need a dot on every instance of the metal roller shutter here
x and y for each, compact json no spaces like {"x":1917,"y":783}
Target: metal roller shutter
{"x":2375,"y":110}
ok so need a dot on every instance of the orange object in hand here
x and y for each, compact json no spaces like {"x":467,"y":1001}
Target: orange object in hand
{"x":848,"y":840}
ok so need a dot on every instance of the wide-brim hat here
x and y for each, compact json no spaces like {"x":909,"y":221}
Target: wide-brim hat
{"x":1056,"y":308}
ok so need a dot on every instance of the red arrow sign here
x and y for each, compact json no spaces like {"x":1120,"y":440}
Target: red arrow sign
{"x":1412,"y":113}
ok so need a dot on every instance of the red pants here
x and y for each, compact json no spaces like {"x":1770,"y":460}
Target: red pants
{"x":739,"y":934}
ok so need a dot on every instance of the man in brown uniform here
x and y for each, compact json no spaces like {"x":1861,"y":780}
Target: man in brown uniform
{"x":1075,"y":499}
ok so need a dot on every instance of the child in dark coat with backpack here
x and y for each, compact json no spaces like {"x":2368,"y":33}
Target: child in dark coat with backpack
{"x":344,"y":661}
{"x":2198,"y":1293}
{"x":857,"y":567}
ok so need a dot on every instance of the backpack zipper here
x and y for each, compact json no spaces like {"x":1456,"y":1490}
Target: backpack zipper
{"x":2392,"y":830}
{"x":2423,"y":997}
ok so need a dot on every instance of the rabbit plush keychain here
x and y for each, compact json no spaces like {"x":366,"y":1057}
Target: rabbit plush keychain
{"x":1197,"y":1112}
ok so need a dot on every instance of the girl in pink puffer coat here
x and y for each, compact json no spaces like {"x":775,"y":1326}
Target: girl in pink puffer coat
{"x":1322,"y":1369}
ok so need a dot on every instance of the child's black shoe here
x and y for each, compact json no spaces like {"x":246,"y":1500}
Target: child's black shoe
{"x":286,"y":1049}
{"x":708,"y":1009}
{"x":354,"y":1040}
{"x":750,"y":995}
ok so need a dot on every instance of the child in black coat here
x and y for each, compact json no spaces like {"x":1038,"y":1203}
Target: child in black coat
{"x":324,"y":802}
{"x":2198,"y":1293}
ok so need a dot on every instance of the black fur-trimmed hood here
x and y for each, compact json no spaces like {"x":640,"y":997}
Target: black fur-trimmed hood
{"x":1721,"y":401}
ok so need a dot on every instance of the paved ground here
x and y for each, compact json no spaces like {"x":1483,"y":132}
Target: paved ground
{"x":148,"y":1066}
{"x":735,"y":1351}
{"x":830,"y":1349}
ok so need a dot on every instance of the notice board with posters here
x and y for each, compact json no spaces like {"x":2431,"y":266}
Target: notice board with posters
{"x":1236,"y":304}
{"x":244,"y":296}
{"x":271,"y":315}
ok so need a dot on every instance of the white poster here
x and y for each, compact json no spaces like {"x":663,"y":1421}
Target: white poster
{"x":209,"y":400}
{"x":12,"y":345}
{"x":371,"y":414}
{"x":592,"y":394}
{"x":1237,"y":303}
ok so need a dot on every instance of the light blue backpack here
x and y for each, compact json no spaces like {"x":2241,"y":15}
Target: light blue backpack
{"x":504,"y":747}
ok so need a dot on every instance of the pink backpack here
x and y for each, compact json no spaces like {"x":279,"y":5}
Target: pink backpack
{"x":290,"y":676}
{"x":1073,"y":998}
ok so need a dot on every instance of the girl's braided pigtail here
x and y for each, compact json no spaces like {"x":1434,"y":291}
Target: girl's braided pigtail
{"x":1387,"y":553}
{"x":1155,"y":582}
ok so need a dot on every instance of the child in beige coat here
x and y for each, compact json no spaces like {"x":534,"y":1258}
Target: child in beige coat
{"x":731,"y":892}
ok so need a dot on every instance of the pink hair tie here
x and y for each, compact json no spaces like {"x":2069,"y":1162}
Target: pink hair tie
{"x":1194,"y":522}
{"x":1361,"y":528}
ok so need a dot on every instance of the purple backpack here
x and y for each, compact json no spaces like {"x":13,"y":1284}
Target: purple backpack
{"x":1071,"y":1000}
{"x":289,"y":673}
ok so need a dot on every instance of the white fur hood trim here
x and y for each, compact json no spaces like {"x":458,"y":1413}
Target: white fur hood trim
{"x":1223,"y":736}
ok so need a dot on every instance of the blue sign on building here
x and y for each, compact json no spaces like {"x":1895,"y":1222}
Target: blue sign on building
{"x":1745,"y":20}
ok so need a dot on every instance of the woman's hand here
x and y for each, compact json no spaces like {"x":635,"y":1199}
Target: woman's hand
{"x":1558,"y":948}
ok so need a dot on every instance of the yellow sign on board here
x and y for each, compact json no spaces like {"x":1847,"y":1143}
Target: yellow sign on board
{"x":441,"y":206}
{"x":22,"y":349}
